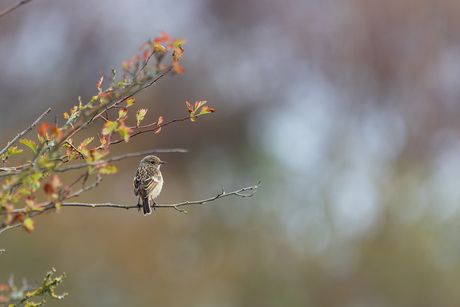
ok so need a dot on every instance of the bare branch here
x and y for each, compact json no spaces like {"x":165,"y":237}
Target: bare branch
{"x":9,"y":227}
{"x":14,"y":6}
{"x":129,"y":155}
{"x":175,"y":206}
{"x":25,"y":131}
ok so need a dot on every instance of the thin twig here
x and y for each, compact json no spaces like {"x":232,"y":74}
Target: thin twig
{"x":24,"y":132}
{"x":142,"y":68}
{"x":129,"y":155}
{"x":14,"y":6}
{"x":175,"y":206}
{"x":150,"y":130}
{"x":10,"y":227}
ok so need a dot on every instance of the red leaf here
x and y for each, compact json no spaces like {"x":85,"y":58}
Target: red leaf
{"x":189,"y":106}
{"x":145,"y":45}
{"x":164,"y":37}
{"x":49,"y":190}
{"x":42,"y":129}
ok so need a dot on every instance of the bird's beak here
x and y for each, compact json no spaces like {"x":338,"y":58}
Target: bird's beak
{"x":162,"y":162}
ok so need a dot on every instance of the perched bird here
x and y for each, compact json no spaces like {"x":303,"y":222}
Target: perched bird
{"x":148,"y":182}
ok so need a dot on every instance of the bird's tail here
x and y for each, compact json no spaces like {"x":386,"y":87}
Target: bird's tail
{"x":146,"y":206}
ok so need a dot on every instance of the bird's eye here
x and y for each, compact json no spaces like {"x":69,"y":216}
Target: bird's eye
{"x":153,"y":162}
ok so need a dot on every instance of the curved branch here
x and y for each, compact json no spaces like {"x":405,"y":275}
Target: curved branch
{"x":10,"y":227}
{"x":175,"y":206}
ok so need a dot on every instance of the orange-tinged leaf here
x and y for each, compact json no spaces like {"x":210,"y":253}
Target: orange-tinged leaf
{"x":127,"y":64}
{"x":158,"y":131}
{"x":56,"y":131}
{"x":42,"y":129}
{"x":56,"y":182}
{"x":130,"y":102}
{"x":146,"y":54}
{"x":124,"y":131}
{"x":49,"y":190}
{"x":4,"y":287}
{"x":103,"y":141}
{"x":66,"y":116}
{"x":160,"y":120}
{"x":178,"y":69}
{"x":122,"y":113}
{"x":109,"y":127}
{"x":86,"y":142}
{"x":164,"y":37}
{"x":108,"y":169}
{"x":28,"y":224}
{"x":98,"y":85}
{"x":177,"y":53}
{"x":136,"y":58}
{"x":177,"y":42}
{"x":29,"y":143}
{"x":140,"y":115}
{"x":206,"y":110}
{"x":145,"y":45}
{"x":190,"y":107}
{"x":198,"y":104}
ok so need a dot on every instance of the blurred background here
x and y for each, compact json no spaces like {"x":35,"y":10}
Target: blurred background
{"x":346,"y":110}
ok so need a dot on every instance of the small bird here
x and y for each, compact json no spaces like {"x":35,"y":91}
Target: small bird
{"x":148,"y":182}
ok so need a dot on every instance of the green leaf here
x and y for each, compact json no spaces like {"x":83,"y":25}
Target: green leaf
{"x":28,"y":224}
{"x":130,"y":102}
{"x":29,"y":143}
{"x":206,"y":110}
{"x":109,"y":127}
{"x":85,"y":142}
{"x":140,"y":115}
{"x":124,"y":133}
{"x":13,"y":150}
{"x":198,"y":104}
{"x":108,"y":169}
{"x":190,"y":108}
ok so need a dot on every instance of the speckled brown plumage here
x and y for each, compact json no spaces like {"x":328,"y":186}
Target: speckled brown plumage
{"x":148,"y":182}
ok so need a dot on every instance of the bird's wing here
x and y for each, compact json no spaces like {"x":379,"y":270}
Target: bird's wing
{"x":137,"y":182}
{"x":151,"y":180}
